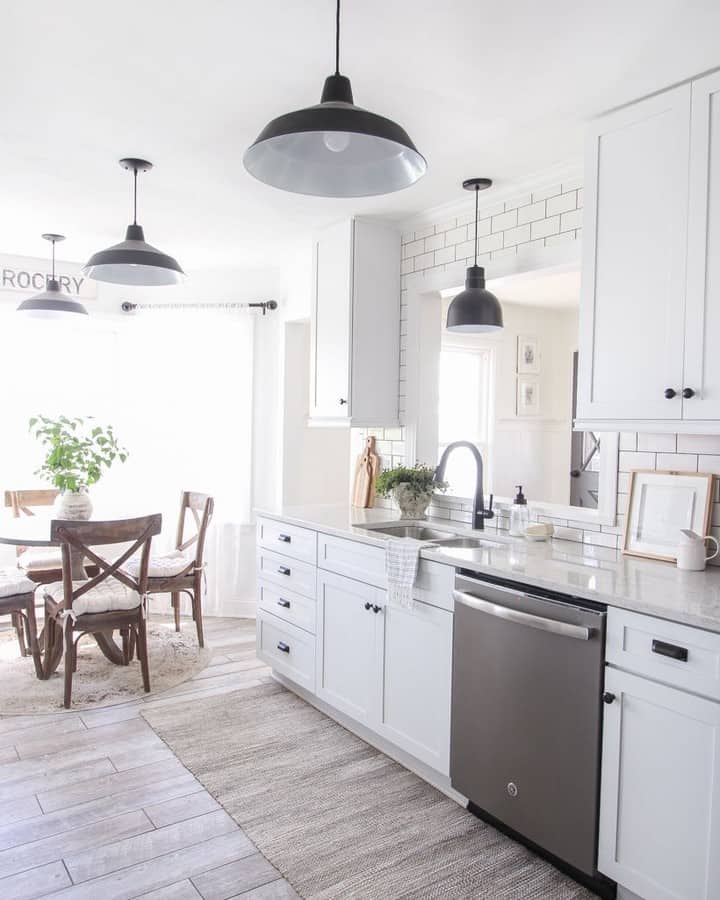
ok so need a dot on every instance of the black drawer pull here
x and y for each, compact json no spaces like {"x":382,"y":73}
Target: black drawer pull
{"x":283,"y":646}
{"x":608,"y":697}
{"x":283,"y":570}
{"x":671,"y":650}
{"x":284,"y":603}
{"x":376,"y":608}
{"x":285,"y":538}
{"x":368,"y":606}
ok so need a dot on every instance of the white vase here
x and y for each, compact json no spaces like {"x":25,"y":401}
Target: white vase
{"x":73,"y":505}
{"x":413,"y":503}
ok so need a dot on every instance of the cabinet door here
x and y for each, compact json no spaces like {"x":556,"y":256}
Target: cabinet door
{"x":416,"y":679}
{"x":634,"y":255}
{"x":347,"y":656}
{"x":331,"y":323}
{"x":660,"y":796}
{"x":702,"y":330}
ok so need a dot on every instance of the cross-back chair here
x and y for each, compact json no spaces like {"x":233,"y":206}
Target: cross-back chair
{"x":181,"y":571}
{"x":113,"y":599}
{"x":17,"y":599}
{"x":40,"y":564}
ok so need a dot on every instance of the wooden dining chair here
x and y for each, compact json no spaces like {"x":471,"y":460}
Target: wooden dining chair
{"x":17,"y":599}
{"x":181,"y":571}
{"x":114,"y":599}
{"x":40,"y":564}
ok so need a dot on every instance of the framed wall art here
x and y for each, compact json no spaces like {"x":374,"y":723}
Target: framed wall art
{"x":528,"y":356}
{"x":660,"y":504}
{"x":528,"y":396}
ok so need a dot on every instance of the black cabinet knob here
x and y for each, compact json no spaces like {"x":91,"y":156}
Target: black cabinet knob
{"x":342,"y":402}
{"x":670,"y":393}
{"x":376,"y":608}
{"x":608,"y":697}
{"x":688,"y":393}
{"x":368,"y":606}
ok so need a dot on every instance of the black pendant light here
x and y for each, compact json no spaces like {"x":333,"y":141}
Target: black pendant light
{"x":133,"y":261}
{"x":52,"y":302}
{"x":475,"y":309}
{"x":335,"y":149}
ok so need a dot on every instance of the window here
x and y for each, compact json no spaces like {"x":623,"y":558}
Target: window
{"x":465,"y":374}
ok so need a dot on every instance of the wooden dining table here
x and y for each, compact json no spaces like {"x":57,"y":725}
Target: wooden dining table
{"x":34,"y":531}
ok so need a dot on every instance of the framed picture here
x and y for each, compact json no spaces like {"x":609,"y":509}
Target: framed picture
{"x":660,"y":505}
{"x":528,"y":396}
{"x":528,"y":356}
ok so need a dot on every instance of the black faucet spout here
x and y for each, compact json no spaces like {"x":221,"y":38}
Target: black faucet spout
{"x":479,"y":511}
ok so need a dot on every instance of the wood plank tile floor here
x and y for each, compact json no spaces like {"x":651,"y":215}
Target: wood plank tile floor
{"x":93,"y":805}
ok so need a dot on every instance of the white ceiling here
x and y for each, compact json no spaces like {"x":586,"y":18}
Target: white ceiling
{"x":483,"y":88}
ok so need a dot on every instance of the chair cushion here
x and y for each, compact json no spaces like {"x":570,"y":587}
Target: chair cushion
{"x":107,"y":596}
{"x":12,"y":581}
{"x":164,"y":566}
{"x":40,"y":559}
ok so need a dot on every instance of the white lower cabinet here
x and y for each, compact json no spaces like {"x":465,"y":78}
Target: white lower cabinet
{"x":347,"y":646}
{"x":660,"y":797}
{"x":388,"y":667}
{"x":416,"y":682}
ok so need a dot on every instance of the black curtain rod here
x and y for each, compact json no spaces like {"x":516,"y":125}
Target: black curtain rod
{"x":264,"y":305}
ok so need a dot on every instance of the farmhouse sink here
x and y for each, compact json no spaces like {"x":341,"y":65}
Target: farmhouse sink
{"x":471,"y":543}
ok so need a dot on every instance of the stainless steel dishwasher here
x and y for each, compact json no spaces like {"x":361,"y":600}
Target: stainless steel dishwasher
{"x":526,"y":716}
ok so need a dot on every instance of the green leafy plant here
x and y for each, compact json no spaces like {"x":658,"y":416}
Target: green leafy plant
{"x":420,"y":479}
{"x":78,"y":451}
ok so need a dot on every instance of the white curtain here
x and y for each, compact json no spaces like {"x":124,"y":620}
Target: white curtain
{"x":177,"y":387}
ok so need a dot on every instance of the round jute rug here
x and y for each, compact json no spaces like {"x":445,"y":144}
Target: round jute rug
{"x":97,"y":682}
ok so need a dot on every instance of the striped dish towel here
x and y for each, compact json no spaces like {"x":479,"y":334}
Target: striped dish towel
{"x":401,"y":563}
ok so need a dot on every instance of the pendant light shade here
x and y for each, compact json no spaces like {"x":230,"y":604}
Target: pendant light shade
{"x":133,"y":261}
{"x":335,"y":149}
{"x":52,"y":302}
{"x":475,"y":309}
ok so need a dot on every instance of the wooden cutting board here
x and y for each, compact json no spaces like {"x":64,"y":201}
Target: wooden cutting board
{"x":367,"y":468}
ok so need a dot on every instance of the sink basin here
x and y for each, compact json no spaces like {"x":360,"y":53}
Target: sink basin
{"x":418,"y":532}
{"x":471,"y":543}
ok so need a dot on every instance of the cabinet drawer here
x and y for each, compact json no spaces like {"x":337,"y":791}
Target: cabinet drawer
{"x":287,"y":605}
{"x":434,"y":584}
{"x":353,"y":559}
{"x":286,"y":572}
{"x":289,"y":650}
{"x":681,"y":656}
{"x":300,"y":543}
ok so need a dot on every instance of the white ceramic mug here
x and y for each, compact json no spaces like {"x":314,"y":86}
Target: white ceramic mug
{"x":692,"y":553}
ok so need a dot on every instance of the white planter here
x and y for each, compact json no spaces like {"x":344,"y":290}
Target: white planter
{"x":413,"y":504}
{"x":73,"y":505}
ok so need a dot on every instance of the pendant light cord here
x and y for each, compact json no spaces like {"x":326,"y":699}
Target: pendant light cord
{"x":53,"y":259}
{"x":477,"y":195}
{"x":135,"y":174}
{"x":337,"y":39}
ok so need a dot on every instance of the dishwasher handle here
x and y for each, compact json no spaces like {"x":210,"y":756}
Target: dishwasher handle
{"x":566,"y":629}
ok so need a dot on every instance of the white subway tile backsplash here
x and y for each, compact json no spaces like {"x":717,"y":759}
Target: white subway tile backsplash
{"x":561,"y":204}
{"x":414,"y":248}
{"x":629,"y":461}
{"x":628,"y":440}
{"x":435,"y":242}
{"x":545,"y":227}
{"x":559,"y":238}
{"x":600,"y":539}
{"x":543,"y":194}
{"x":516,"y":202}
{"x":709,"y":463}
{"x":572,"y":184}
{"x":532,"y":213}
{"x":407,"y":266}
{"x":505,"y":220}
{"x":425,"y":261}
{"x":456,"y":236}
{"x":518,"y":235}
{"x":490,"y":243}
{"x":663,"y":443}
{"x":424,"y":232}
{"x":698,"y":443}
{"x":677,"y":462}
{"x":569,"y":221}
{"x":446,"y":255}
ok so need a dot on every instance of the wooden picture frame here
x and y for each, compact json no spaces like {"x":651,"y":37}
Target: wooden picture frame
{"x":660,"y":504}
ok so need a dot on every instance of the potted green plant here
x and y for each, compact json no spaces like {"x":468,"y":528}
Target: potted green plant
{"x":77,"y":452}
{"x":411,"y":488}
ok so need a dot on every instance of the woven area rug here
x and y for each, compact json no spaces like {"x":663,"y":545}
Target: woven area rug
{"x":338,"y":818}
{"x":97,"y":682}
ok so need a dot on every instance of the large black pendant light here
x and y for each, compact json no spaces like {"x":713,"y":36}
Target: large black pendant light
{"x":335,"y":149}
{"x":132,"y":261}
{"x":52,"y":302}
{"x":475,"y":309}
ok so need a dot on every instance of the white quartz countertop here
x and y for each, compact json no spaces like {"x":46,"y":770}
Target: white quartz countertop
{"x":596,"y":573}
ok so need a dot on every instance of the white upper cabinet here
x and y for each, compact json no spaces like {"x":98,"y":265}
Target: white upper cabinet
{"x":356,"y":324}
{"x":702,"y":328}
{"x":634,"y":261}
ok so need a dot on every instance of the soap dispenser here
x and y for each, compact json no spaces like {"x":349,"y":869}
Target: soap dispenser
{"x":519,"y":515}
